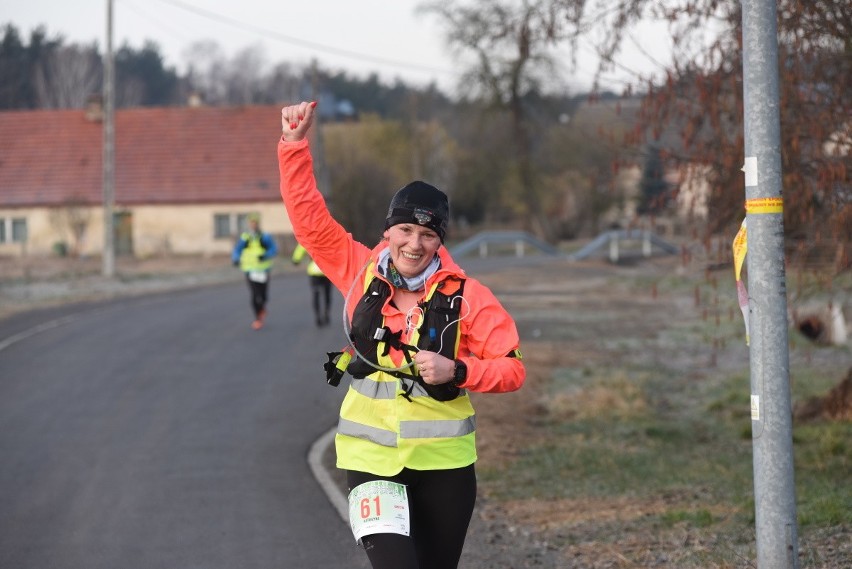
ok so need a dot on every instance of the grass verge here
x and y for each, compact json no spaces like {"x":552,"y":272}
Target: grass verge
{"x":645,"y":448}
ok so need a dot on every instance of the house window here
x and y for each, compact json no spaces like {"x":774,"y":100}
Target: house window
{"x":13,"y":230}
{"x":19,"y":230}
{"x":226,"y":225}
{"x":242,"y":222}
{"x":222,"y":226}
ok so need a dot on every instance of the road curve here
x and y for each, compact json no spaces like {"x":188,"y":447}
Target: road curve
{"x":161,"y":431}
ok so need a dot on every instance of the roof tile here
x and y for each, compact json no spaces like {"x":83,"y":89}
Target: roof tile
{"x":177,"y":155}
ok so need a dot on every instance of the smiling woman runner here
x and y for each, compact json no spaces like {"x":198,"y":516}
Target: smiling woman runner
{"x":423,"y":334}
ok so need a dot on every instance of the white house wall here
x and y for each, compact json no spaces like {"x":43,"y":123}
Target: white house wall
{"x":156,"y":230}
{"x":41,"y":235}
{"x":693,"y":193}
{"x":190,"y":230}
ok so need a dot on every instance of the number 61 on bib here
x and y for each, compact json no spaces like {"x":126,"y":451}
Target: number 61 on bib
{"x":379,"y":506}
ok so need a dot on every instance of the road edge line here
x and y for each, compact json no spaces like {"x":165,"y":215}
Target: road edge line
{"x":323,"y":478}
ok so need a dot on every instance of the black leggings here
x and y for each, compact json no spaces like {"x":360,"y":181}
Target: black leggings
{"x":441,"y":505}
{"x":258,"y":294}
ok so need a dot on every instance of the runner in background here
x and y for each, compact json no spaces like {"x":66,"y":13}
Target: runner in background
{"x":253,"y":254}
{"x":320,"y":286}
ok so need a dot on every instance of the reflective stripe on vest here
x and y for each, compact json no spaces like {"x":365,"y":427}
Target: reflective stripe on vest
{"x":373,"y":389}
{"x":436,"y":429}
{"x":408,"y":430}
{"x":379,"y":436}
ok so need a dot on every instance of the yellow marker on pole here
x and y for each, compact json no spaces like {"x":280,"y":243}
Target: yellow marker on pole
{"x":765,"y":205}
{"x":740,"y":247}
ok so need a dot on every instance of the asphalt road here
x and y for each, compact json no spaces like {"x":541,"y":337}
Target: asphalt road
{"x":162,"y":432}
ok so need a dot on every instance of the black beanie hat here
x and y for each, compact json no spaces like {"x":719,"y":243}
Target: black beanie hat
{"x":420,"y":203}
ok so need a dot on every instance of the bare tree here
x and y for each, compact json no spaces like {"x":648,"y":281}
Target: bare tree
{"x":207,"y":71}
{"x":244,"y":76}
{"x":700,"y":99}
{"x":511,"y":43}
{"x":240,"y":80}
{"x":67,"y":77}
{"x":368,"y":161}
{"x":283,"y":84}
{"x":129,"y":92}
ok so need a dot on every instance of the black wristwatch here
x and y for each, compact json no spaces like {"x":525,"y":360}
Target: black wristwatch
{"x":459,"y":373}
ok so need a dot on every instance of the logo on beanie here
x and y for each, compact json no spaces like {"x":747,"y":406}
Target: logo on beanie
{"x":423,"y":216}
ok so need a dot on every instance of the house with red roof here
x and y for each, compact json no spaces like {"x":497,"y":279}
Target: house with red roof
{"x":185,"y":179}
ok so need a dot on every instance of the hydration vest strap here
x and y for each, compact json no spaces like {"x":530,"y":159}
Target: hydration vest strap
{"x":439,"y":333}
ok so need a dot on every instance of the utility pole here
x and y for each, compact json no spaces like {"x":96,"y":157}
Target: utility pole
{"x":318,"y":144}
{"x":109,"y":151}
{"x":771,"y":409}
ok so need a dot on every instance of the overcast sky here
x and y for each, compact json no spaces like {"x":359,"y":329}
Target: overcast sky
{"x":357,"y":36}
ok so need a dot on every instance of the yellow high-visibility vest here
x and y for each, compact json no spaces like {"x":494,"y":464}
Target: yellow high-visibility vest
{"x":251,"y":253}
{"x":313,"y":269}
{"x":382,"y":432}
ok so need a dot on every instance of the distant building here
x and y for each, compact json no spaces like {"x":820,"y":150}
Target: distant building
{"x":185,"y":178}
{"x":687,"y":183}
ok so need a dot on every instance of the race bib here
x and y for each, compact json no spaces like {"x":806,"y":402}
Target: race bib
{"x":379,"y":506}
{"x":258,"y":276}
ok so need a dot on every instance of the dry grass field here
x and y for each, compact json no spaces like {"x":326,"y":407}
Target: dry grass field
{"x":630,"y":444}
